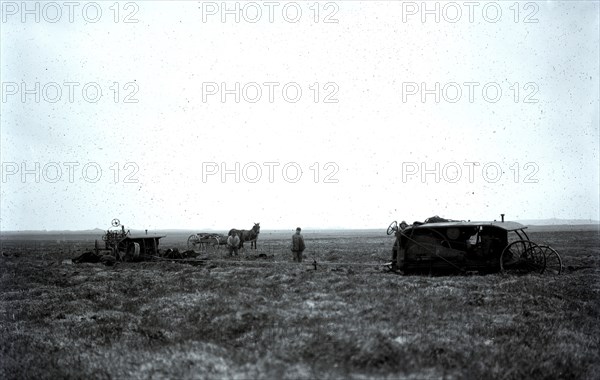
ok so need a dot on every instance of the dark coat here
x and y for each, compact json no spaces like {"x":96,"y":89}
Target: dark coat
{"x":298,"y":242}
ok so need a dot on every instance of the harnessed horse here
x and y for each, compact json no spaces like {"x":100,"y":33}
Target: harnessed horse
{"x":247,"y":235}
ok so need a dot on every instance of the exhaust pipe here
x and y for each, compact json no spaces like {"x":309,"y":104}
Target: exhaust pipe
{"x":502,"y":215}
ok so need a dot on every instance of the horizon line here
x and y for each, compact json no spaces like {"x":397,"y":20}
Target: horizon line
{"x":563,"y":222}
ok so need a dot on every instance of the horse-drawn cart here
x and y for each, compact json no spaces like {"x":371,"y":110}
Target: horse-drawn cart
{"x":210,"y":242}
{"x":457,"y":246}
{"x":206,"y":242}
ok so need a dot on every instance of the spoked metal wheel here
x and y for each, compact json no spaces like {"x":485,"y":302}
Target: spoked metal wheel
{"x":554,"y":264}
{"x":522,"y":256}
{"x":193,"y":242}
{"x":209,"y":245}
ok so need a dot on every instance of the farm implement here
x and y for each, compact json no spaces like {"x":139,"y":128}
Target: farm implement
{"x":125,"y":247}
{"x":119,"y":244}
{"x":442,"y":245}
{"x":205,"y":242}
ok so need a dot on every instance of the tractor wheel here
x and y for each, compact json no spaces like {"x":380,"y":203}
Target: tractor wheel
{"x":133,"y":252}
{"x":554,"y":265}
{"x":522,"y":256}
{"x":193,"y":242}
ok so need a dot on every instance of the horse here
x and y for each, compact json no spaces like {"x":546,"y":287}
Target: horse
{"x":247,"y":235}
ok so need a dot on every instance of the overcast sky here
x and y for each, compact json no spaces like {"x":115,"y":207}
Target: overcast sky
{"x":514,"y":128}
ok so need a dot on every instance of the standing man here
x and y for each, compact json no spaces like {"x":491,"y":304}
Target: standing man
{"x":400,"y":242}
{"x":298,"y":245}
{"x":233,"y":242}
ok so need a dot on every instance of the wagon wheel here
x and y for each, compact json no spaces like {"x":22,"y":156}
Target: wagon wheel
{"x":392,"y":228}
{"x":193,"y":242}
{"x":210,"y":245}
{"x":522,"y":256}
{"x":554,"y":264}
{"x":216,"y":244}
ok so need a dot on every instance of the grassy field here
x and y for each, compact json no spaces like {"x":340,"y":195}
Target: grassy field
{"x":257,"y":317}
